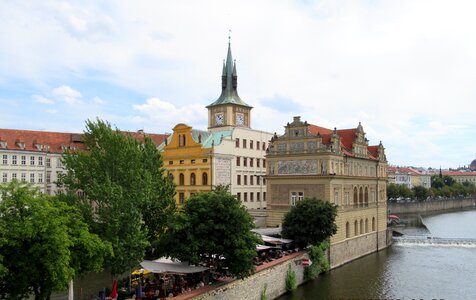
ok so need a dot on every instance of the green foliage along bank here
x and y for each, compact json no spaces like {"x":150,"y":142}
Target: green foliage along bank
{"x":44,"y":243}
{"x":127,"y":199}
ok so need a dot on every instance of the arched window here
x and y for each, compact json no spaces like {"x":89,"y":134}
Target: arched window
{"x":361,"y":226}
{"x":361,"y":196}
{"x":366,"y":196}
{"x":181,"y":140}
{"x":181,"y":179}
{"x":373,"y":224}
{"x":347,"y":230}
{"x":366,"y":225}
{"x":192,"y":179}
{"x":356,"y":228}
{"x":204,"y":179}
{"x":356,"y":198}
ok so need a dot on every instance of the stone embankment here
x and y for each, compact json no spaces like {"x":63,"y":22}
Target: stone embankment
{"x":431,"y":206}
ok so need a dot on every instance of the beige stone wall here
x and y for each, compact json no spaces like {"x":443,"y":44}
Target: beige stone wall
{"x":250,"y":288}
{"x":423,"y":207}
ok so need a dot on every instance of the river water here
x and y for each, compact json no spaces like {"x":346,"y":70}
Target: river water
{"x":408,"y":270}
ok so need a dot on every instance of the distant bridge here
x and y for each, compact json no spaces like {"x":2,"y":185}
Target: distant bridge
{"x":434,"y":241}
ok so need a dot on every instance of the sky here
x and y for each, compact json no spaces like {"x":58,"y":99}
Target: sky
{"x":405,"y":69}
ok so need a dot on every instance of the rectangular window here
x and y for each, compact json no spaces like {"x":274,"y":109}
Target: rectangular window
{"x":48,"y":177}
{"x":14,"y":159}
{"x":258,"y":180}
{"x":23,"y":159}
{"x":23,"y":177}
{"x":181,"y":198}
{"x":237,"y":143}
{"x":245,"y":196}
{"x":252,"y":197}
{"x":264,"y":163}
{"x":59,"y":163}
{"x":171,"y":162}
{"x":264,"y":146}
{"x":32,"y":160}
{"x":5,"y":159}
{"x":192,"y":161}
{"x":48,"y":162}
{"x":5,"y":177}
{"x":238,"y":179}
{"x":245,"y":162}
{"x":238,"y":196}
{"x":32,"y":178}
{"x":264,"y":181}
{"x":182,"y":161}
{"x":40,"y":161}
{"x":205,"y":160}
{"x":257,"y":162}
{"x":237,"y":161}
{"x":251,"y":179}
{"x":295,"y":197}
{"x":251,"y":144}
{"x":251,"y":162}
{"x":40,"y":177}
{"x":336,"y":198}
{"x":14,"y":176}
{"x":258,"y":194}
{"x":244,"y":143}
{"x":264,"y":196}
{"x":257,"y":145}
{"x":245,"y":179}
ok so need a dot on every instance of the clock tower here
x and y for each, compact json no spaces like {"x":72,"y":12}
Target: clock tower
{"x":229,"y":109}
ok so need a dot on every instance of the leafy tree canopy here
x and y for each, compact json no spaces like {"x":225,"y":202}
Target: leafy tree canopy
{"x":44,"y":243}
{"x":311,"y":221}
{"x":127,"y":199}
{"x":213,"y":227}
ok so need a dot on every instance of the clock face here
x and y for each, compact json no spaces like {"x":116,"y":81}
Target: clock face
{"x":240,"y":119}
{"x":219,"y":119}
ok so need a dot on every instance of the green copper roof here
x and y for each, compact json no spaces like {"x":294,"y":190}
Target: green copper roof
{"x":207,"y":138}
{"x":229,"y":93}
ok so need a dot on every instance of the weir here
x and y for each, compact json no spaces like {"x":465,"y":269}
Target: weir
{"x":434,"y":241}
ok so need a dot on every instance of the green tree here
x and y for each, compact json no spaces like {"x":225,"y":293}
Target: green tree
{"x":44,"y":243}
{"x":392,"y":191}
{"x":420,"y":192}
{"x":127,"y":199}
{"x":404,"y":191}
{"x":311,"y":221}
{"x":214,"y":227}
{"x":437,"y":182}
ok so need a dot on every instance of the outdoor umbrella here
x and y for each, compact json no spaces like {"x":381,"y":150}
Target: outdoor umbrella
{"x":113,"y":294}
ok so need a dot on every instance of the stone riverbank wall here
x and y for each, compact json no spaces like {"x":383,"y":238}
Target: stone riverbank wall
{"x":273,"y":277}
{"x":430,"y":206}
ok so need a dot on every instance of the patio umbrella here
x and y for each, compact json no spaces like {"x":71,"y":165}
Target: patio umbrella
{"x":113,"y":294}
{"x":393,"y":217}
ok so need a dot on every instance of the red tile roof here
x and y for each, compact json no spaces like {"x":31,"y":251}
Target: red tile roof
{"x":457,"y":173}
{"x":317,"y":129}
{"x":57,"y":141}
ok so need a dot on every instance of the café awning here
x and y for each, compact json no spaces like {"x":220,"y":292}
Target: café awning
{"x":167,"y":265}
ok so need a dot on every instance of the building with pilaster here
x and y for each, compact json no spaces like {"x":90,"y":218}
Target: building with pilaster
{"x":337,"y":166}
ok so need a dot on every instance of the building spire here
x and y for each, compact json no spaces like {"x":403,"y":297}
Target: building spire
{"x":229,"y":80}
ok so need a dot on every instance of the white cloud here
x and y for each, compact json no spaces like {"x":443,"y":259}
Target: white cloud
{"x":162,"y":115}
{"x":41,"y":99}
{"x":67,"y":94}
{"x":98,"y":100}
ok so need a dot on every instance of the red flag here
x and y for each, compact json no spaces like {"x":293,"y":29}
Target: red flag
{"x":113,"y":294}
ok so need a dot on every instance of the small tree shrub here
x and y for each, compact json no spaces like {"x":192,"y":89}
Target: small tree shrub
{"x":320,"y":264}
{"x":291,"y":282}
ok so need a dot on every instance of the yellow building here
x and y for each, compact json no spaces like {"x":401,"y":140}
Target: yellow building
{"x":188,"y":161}
{"x":336,"y":166}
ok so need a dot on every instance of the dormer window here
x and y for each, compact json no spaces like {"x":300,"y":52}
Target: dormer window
{"x":3,"y":144}
{"x":39,"y":147}
{"x":21,"y":145}
{"x":46,"y":147}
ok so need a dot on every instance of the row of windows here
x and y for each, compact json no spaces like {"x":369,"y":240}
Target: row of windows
{"x":192,"y":161}
{"x":252,"y":181}
{"x":252,"y":196}
{"x":359,"y":227}
{"x":193,"y":178}
{"x":33,"y":178}
{"x":245,"y":144}
{"x":250,"y":161}
{"x":22,"y":160}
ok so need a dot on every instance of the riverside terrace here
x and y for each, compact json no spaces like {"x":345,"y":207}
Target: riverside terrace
{"x":176,"y":280}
